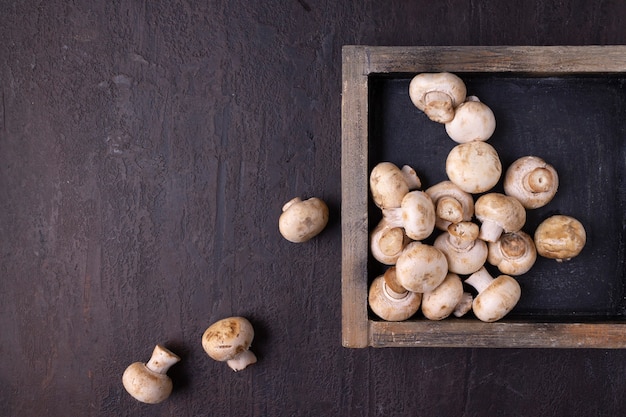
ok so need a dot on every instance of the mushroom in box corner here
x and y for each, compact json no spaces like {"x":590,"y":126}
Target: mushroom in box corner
{"x":389,"y":300}
{"x":437,"y":94}
{"x":496,"y":297}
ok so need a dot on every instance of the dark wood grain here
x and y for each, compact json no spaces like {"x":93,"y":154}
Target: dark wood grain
{"x":146,"y":149}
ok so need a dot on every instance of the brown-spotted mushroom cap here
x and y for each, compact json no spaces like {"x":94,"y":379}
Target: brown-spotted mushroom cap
{"x":416,"y":215}
{"x":229,"y":340}
{"x":473,"y":120}
{"x":532,"y":181}
{"x":389,"y":184}
{"x":464,"y":252}
{"x":392,"y":305}
{"x":421,"y":267}
{"x":513,"y":254}
{"x":474,"y":167}
{"x":441,"y":302}
{"x":148,"y":382}
{"x":560,"y":237}
{"x":387,"y":242}
{"x":301,"y":220}
{"x":437,"y":94}
{"x":496,"y":297}
{"x":452,"y":205}
{"x":498,"y":213}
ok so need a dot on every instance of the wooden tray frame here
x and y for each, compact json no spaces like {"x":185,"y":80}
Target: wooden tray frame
{"x":361,"y":62}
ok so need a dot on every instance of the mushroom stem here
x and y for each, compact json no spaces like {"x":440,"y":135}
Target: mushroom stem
{"x":450,"y":209}
{"x":161,"y":360}
{"x":480,"y":279}
{"x":241,"y":361}
{"x":291,"y":203}
{"x":490,"y":231}
{"x":393,"y":217}
{"x":411,"y":178}
{"x":464,"y":305}
{"x":539,"y":180}
{"x":439,"y":106}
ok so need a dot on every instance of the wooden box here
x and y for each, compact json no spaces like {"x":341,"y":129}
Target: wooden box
{"x":566,"y":104}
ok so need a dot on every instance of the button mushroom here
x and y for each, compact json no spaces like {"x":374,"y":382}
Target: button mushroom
{"x":390,"y":301}
{"x":389,"y":184}
{"x":442,"y":301}
{"x":497,"y":213}
{"x":464,"y":252}
{"x":229,"y":340}
{"x":474,"y":167}
{"x":473,"y":120}
{"x":421,"y":267}
{"x":387,"y":242}
{"x":496,"y":297}
{"x":437,"y":94}
{"x":300,"y":220}
{"x":513,"y":254}
{"x":452,"y":205}
{"x":532,"y":181}
{"x":148,"y":382}
{"x":416,"y":215}
{"x":560,"y":237}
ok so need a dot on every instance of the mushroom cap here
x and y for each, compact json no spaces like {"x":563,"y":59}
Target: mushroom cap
{"x":532,"y":181}
{"x":474,"y":167}
{"x":461,"y":260}
{"x":302,"y":220}
{"x":497,"y":300}
{"x":421,"y":267}
{"x":441,"y":302}
{"x":227,"y":338}
{"x":513,"y":254}
{"x":473,"y":120}
{"x":391,"y":306}
{"x":149,"y":383}
{"x":387,"y":242}
{"x":437,"y":94}
{"x":418,"y":215}
{"x":560,"y":237}
{"x":389,"y":184}
{"x":444,"y":194}
{"x":500,"y":210}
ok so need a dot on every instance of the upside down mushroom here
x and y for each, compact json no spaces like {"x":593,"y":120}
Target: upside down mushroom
{"x":437,"y":94}
{"x":532,"y":181}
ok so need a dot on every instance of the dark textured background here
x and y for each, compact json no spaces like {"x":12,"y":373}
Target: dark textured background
{"x":146,"y":149}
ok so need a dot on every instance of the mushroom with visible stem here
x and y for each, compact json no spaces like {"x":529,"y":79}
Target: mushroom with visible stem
{"x":474,"y":167}
{"x":498,"y":213}
{"x":389,"y":300}
{"x":452,"y":205}
{"x":421,"y":267}
{"x":387,"y":242}
{"x":464,"y":252}
{"x":443,"y":300}
{"x":389,"y":184}
{"x":496,"y":297}
{"x":560,"y":237}
{"x":532,"y":181}
{"x":229,"y":340}
{"x":301,"y":220}
{"x":416,"y":215}
{"x":437,"y":94}
{"x":473,"y":121}
{"x":148,"y":382}
{"x":513,"y":254}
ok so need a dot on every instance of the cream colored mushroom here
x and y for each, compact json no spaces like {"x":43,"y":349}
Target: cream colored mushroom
{"x":513,"y":254}
{"x":301,"y":220}
{"x":474,"y":167}
{"x":452,"y":205}
{"x":473,"y":121}
{"x":421,"y":267}
{"x":560,"y":237}
{"x":148,"y":382}
{"x":416,"y":215}
{"x":389,"y":184}
{"x":442,"y":301}
{"x":532,"y":181}
{"x":496,"y":297}
{"x":229,"y":340}
{"x":392,"y":304}
{"x":498,"y":213}
{"x":437,"y":94}
{"x":464,"y":306}
{"x":464,"y":252}
{"x":387,"y":242}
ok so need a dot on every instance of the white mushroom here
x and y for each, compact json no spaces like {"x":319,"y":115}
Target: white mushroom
{"x":464,"y":306}
{"x":513,"y":254}
{"x":496,"y":297}
{"x":474,"y":167}
{"x":442,"y":301}
{"x":437,"y":94}
{"x":464,"y":252}
{"x":452,"y":205}
{"x":229,"y":340}
{"x":389,"y":184}
{"x":416,"y":215}
{"x":387,"y":242}
{"x":421,"y":267}
{"x":560,"y":237}
{"x":148,"y":382}
{"x":303,"y":220}
{"x":498,"y":213}
{"x":390,"y":304}
{"x":532,"y":181}
{"x":473,"y":121}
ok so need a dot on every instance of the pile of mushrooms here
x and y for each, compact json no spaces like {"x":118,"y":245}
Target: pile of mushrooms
{"x":470,"y":224}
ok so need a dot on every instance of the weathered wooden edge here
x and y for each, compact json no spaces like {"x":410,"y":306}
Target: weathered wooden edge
{"x":502,"y":334}
{"x":354,"y":192}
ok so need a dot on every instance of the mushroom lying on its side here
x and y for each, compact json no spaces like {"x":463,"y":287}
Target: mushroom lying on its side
{"x":229,"y":340}
{"x":437,"y":94}
{"x":496,"y":297}
{"x":416,"y":215}
{"x":148,"y":382}
{"x":443,"y":300}
{"x":498,"y":213}
{"x":389,"y":184}
{"x":387,"y":242}
{"x":391,"y":302}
